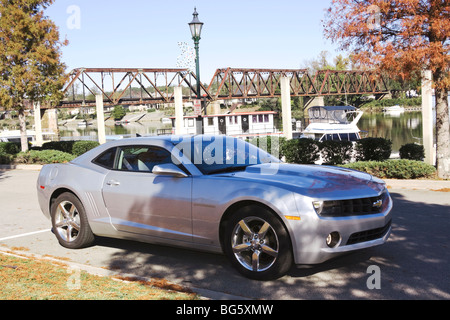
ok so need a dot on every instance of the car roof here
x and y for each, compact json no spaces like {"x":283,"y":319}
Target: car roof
{"x":161,"y":141}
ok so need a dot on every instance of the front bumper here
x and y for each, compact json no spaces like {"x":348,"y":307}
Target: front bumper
{"x":309,"y":234}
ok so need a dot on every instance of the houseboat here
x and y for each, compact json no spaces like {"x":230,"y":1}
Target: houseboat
{"x":242,"y":124}
{"x":333,"y":123}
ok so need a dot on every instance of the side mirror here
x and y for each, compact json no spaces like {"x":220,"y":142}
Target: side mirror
{"x":169,"y":169}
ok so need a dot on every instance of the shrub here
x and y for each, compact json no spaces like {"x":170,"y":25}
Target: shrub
{"x":9,"y":148}
{"x":412,"y":151}
{"x":6,"y":158}
{"x":272,"y":145}
{"x":373,"y":149}
{"x":336,"y":152}
{"x":64,"y":146}
{"x":300,"y":151}
{"x":43,"y":157}
{"x":73,"y":147}
{"x":81,"y":147}
{"x":395,"y":169}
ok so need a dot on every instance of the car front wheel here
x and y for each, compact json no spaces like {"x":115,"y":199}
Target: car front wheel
{"x":69,"y":221}
{"x":258,"y":244}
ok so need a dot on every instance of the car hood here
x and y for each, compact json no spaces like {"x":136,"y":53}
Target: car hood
{"x":313,"y":180}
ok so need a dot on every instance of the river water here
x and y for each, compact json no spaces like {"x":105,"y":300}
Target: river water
{"x":400,"y":128}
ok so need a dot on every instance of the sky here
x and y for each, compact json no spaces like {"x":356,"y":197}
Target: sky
{"x":146,"y":34}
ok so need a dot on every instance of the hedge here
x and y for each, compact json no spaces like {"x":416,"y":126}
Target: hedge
{"x":336,"y":152}
{"x":373,"y":149}
{"x":64,"y":146}
{"x":395,"y":169}
{"x":9,"y":148}
{"x":272,"y":145}
{"x":43,"y":157}
{"x":50,"y":152}
{"x":304,"y":151}
{"x":73,"y":147}
{"x":6,"y":158}
{"x":81,"y":147}
{"x":412,"y":151}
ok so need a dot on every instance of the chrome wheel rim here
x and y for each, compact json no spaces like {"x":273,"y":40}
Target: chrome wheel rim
{"x":255,"y":244}
{"x":67,"y":221}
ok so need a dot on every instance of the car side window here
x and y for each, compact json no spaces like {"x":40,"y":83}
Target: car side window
{"x":142,"y":158}
{"x":106,"y":159}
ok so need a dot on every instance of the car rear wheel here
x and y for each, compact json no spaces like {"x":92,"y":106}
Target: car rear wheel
{"x":70,"y":224}
{"x":257,"y":244}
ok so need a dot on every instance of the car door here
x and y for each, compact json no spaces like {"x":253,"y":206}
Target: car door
{"x":141,"y":202}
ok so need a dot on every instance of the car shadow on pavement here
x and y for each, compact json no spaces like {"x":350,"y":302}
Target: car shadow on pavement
{"x":410,"y":268}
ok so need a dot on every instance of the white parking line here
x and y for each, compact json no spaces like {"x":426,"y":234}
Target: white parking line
{"x":24,"y":234}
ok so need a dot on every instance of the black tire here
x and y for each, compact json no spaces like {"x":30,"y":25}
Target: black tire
{"x":70,"y":224}
{"x":257,"y":243}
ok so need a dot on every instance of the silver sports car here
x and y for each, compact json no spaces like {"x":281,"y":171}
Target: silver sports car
{"x":215,"y":193}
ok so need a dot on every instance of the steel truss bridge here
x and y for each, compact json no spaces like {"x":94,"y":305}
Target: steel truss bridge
{"x":133,"y":86}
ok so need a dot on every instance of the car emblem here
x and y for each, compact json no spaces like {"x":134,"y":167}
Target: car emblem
{"x":377,"y":204}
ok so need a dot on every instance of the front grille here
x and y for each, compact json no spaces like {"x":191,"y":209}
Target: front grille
{"x":354,"y":207}
{"x":369,"y":235}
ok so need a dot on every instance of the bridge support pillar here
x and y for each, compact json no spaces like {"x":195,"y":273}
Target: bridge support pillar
{"x":101,"y":133}
{"x":38,"y":123}
{"x":427,"y":117}
{"x":286,"y":107}
{"x":214,"y":107}
{"x":49,"y":120}
{"x":178,"y":96}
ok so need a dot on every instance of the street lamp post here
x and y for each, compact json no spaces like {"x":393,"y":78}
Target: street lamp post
{"x":196,"y":29}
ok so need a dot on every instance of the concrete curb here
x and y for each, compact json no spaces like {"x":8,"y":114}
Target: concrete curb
{"x":33,"y":167}
{"x":432,"y":185}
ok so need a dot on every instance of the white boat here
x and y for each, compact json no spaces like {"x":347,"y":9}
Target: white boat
{"x":394,"y":110}
{"x":333,"y":123}
{"x":84,"y":123}
{"x":14,"y":136}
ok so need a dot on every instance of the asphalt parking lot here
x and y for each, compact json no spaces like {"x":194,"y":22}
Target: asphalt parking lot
{"x":413,"y":264}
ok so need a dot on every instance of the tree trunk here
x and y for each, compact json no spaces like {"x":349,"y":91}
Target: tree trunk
{"x":442,"y":134}
{"x":23,"y":130}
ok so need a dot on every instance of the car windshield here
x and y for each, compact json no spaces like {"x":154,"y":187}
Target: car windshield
{"x":221,"y":153}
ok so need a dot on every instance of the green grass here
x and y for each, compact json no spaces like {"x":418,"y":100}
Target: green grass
{"x":24,"y":278}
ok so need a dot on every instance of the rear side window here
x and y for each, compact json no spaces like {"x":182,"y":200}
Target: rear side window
{"x":106,"y":159}
{"x":142,"y":158}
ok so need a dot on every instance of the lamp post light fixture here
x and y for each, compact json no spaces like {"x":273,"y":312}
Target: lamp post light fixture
{"x":196,"y":29}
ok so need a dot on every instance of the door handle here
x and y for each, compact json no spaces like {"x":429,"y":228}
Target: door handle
{"x":113,"y":183}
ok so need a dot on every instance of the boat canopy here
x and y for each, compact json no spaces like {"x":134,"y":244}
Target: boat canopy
{"x":330,"y":114}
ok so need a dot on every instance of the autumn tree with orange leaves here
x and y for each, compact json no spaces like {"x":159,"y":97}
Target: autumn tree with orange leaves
{"x":402,"y":38}
{"x":30,"y":54}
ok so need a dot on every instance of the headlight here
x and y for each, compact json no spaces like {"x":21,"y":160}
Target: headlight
{"x":318,"y":206}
